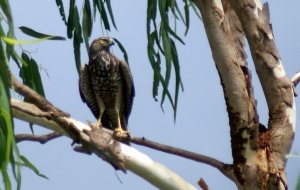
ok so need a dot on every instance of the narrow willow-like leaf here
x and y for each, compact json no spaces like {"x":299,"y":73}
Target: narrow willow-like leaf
{"x":162,"y":81}
{"x":31,"y":75}
{"x":77,"y":40}
{"x":177,"y":11}
{"x":6,"y":131}
{"x":196,"y":10}
{"x":156,"y":70}
{"x":29,"y":165}
{"x":168,"y":59}
{"x":5,"y":176}
{"x":16,"y":168}
{"x":35,"y":34}
{"x":4,"y":4}
{"x":298,"y":183}
{"x":187,"y":16}
{"x":60,"y":6}
{"x":122,"y":49}
{"x":178,"y":81}
{"x":22,"y":42}
{"x":103,"y":15}
{"x":70,"y":26}
{"x":4,"y":70}
{"x":17,"y":59}
{"x":108,"y":5}
{"x":87,"y":23}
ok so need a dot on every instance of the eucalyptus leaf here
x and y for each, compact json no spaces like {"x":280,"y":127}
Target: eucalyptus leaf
{"x":31,"y":75}
{"x":122,"y":49}
{"x":70,"y":23}
{"x":35,"y":34}
{"x":61,"y":9}
{"x":108,"y":5}
{"x":29,"y":165}
{"x":87,"y":23}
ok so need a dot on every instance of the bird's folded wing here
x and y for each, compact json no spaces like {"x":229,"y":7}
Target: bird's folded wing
{"x":86,"y":90}
{"x":130,"y":91}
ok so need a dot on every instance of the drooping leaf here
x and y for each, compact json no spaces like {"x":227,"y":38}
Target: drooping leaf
{"x":60,"y":6}
{"x":70,"y":23}
{"x":196,"y":11}
{"x":31,"y":75}
{"x":168,"y":59}
{"x":187,"y":16}
{"x":29,"y":165}
{"x":87,"y":23}
{"x":6,"y":131}
{"x":178,"y":81}
{"x":16,"y":168}
{"x":154,"y":63}
{"x":108,"y":5}
{"x":39,"y":35}
{"x":298,"y":183}
{"x":5,"y":176}
{"x":122,"y":49}
{"x":77,"y":40}
{"x":4,"y":70}
{"x":103,"y":15}
{"x":17,"y":59}
{"x":22,"y":42}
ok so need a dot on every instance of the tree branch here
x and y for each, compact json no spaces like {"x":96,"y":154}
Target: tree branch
{"x":277,"y":141}
{"x":95,"y":140}
{"x":224,"y":168}
{"x":296,"y":78}
{"x":226,"y":38}
{"x":37,"y":138}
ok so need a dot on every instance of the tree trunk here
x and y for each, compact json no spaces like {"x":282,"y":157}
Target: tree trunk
{"x":259,"y":153}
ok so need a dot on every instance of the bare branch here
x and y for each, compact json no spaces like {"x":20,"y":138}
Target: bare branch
{"x":296,"y":78}
{"x":37,"y":138}
{"x":101,"y":143}
{"x":224,"y":168}
{"x":203,"y":184}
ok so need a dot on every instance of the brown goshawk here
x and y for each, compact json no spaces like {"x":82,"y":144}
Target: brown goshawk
{"x":106,"y":86}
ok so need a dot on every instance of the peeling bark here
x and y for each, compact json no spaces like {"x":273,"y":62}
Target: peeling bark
{"x":258,"y":152}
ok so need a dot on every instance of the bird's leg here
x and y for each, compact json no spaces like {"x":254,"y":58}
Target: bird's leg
{"x":102,"y":108}
{"x":119,"y":132}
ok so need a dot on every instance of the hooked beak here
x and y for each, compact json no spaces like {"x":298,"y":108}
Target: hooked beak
{"x":111,"y":42}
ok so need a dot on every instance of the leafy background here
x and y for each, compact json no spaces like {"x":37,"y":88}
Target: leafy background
{"x":201,"y":123}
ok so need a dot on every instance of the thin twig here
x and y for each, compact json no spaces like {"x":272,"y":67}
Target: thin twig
{"x":224,"y":168}
{"x":203,"y":184}
{"x":37,"y":138}
{"x":296,"y":78}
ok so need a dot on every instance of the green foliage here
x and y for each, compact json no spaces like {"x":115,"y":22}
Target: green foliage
{"x":162,"y":52}
{"x":36,"y":34}
{"x":28,"y":164}
{"x":298,"y":183}
{"x":162,"y":42}
{"x":30,"y":74}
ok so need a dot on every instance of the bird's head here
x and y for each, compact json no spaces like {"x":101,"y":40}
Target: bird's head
{"x":101,"y":44}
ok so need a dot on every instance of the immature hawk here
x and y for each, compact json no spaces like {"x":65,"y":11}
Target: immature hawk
{"x":106,"y":86}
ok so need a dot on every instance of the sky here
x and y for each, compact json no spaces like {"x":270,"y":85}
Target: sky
{"x":201,"y":125}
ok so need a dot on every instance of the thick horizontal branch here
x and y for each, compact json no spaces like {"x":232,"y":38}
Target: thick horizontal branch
{"x":100,"y":142}
{"x":36,"y":117}
{"x":37,"y":138}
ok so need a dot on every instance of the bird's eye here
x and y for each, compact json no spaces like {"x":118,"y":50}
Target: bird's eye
{"x":101,"y":41}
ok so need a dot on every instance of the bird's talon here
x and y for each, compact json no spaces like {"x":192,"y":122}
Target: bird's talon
{"x":121,"y":135}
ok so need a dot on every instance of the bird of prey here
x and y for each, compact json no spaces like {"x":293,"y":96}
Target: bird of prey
{"x":106,"y":86}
